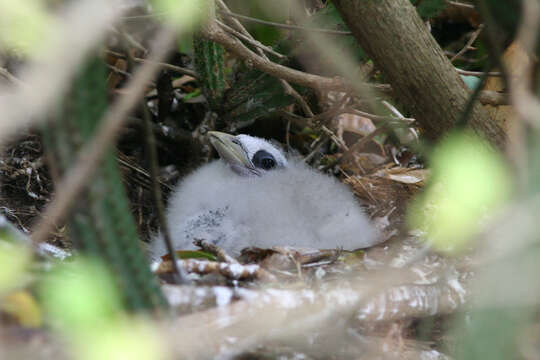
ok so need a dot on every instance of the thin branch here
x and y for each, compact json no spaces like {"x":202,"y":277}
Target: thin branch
{"x":92,"y":153}
{"x":118,"y":71}
{"x":473,"y":38}
{"x":288,"y":88}
{"x":130,"y":40}
{"x":174,"y":68}
{"x":478,"y":73}
{"x":152,"y":157}
{"x":156,"y":193}
{"x":449,"y":54}
{"x":340,"y":143}
{"x":460,"y":4}
{"x":377,"y":117}
{"x":251,"y":41}
{"x":235,"y":46}
{"x":357,"y":146}
{"x":283,"y":26}
{"x":221,"y":254}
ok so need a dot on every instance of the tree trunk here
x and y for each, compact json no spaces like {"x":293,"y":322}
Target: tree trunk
{"x":423,"y":79}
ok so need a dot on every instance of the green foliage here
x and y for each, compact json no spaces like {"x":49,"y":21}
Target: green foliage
{"x":469,"y":181}
{"x":195,"y":254}
{"x":264,"y":10}
{"x":505,"y":14}
{"x":24,"y":24}
{"x":252,"y":96}
{"x":15,"y":259}
{"x":80,"y":294}
{"x":428,"y":9}
{"x":186,"y":13}
{"x":489,"y":333}
{"x":82,"y":302}
{"x":102,"y":224}
{"x":209,"y":66}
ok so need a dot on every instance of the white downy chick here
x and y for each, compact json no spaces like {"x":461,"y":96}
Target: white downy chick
{"x":254,"y":196}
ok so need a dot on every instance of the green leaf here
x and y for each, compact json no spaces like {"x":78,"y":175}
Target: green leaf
{"x":188,"y":13}
{"x":470,"y":181}
{"x":253,"y":96}
{"x":428,"y":9}
{"x":195,"y":254}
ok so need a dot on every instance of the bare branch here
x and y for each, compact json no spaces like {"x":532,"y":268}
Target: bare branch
{"x":251,"y":41}
{"x":283,"y":26}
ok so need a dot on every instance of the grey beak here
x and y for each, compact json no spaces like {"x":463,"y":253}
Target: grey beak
{"x":230,"y":150}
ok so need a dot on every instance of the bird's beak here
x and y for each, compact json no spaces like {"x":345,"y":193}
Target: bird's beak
{"x":231,"y":151}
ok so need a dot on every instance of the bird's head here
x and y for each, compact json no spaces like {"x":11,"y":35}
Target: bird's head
{"x":247,"y":155}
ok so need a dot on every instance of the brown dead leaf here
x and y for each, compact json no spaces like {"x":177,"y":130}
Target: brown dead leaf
{"x":405,"y":175}
{"x":115,"y":77}
{"x":22,"y":306}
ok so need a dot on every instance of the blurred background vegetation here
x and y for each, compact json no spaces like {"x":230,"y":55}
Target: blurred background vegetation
{"x":105,"y":106}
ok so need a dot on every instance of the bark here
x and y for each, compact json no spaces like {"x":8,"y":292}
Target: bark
{"x":423,"y":79}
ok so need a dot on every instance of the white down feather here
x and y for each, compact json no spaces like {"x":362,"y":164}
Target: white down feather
{"x":291,"y":206}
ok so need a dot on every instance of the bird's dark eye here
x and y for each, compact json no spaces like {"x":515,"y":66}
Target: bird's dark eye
{"x":264,"y":160}
{"x":268,"y":163}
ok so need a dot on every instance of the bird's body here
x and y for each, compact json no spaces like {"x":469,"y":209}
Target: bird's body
{"x":288,"y":204}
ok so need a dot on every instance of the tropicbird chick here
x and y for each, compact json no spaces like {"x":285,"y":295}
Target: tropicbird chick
{"x":254,"y":196}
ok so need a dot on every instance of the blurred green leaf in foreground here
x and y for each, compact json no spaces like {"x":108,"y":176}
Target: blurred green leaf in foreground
{"x":82,"y":301}
{"x":470,"y":181}
{"x":24,"y":24}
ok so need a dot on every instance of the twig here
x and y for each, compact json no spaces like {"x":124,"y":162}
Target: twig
{"x":131,"y":40}
{"x":460,"y":4}
{"x":118,"y":71}
{"x":233,"y":271}
{"x":253,"y":42}
{"x":473,"y":38}
{"x":283,"y":26}
{"x":288,"y":88}
{"x":152,"y":157}
{"x":157,"y":196}
{"x":321,"y":140}
{"x":215,"y":250}
{"x":174,"y":68}
{"x":402,"y":118}
{"x":92,"y":153}
{"x":449,"y":54}
{"x":235,"y":46}
{"x":377,"y":117}
{"x":363,"y":141}
{"x":478,"y":73}
{"x":302,"y":121}
{"x":335,"y":138}
{"x":356,"y":146}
